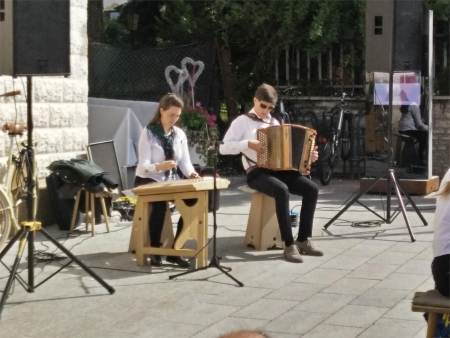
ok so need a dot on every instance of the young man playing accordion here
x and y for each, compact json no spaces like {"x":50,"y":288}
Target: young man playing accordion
{"x":241,"y":137}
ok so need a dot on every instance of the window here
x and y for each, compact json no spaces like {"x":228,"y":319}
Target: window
{"x":378,"y":26}
{"x":2,"y":7}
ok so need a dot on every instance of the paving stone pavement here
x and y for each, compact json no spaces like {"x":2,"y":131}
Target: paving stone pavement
{"x":361,"y":287}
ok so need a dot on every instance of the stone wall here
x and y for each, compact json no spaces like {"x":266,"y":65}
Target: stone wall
{"x":60,"y":112}
{"x":441,"y":135}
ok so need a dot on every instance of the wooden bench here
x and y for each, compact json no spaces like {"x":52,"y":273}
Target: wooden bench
{"x":434,"y":303}
{"x":263,"y":232}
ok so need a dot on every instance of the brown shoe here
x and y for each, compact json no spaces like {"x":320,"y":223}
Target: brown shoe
{"x":292,"y":255}
{"x":307,"y":248}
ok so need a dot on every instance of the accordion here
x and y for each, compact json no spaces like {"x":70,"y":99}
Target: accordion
{"x":286,"y":147}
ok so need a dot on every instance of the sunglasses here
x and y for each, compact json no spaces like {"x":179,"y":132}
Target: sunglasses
{"x":264,"y":106}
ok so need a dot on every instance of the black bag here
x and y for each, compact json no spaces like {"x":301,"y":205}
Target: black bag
{"x":62,"y":208}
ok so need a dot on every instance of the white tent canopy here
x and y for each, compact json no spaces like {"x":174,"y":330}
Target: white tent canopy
{"x":122,"y":122}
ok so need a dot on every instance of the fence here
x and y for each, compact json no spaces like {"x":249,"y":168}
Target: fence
{"x":139,"y":74}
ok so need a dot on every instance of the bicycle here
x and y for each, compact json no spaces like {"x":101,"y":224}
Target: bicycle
{"x":284,"y":111}
{"x":334,"y":140}
{"x":15,"y":189}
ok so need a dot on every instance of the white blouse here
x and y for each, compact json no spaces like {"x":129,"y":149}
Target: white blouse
{"x":151,"y":153}
{"x":242,"y":130}
{"x":441,"y":243}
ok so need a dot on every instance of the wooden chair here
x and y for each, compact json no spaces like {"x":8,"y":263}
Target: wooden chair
{"x":434,"y":303}
{"x":263,"y":232}
{"x":90,"y":207}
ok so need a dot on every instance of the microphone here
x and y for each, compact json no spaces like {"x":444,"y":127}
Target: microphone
{"x":8,"y":94}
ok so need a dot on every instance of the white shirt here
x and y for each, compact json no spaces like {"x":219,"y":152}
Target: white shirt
{"x":242,"y":130}
{"x":441,"y":243}
{"x":151,"y":153}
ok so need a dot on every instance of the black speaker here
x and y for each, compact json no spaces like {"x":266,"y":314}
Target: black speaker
{"x":408,"y":29}
{"x":34,"y":37}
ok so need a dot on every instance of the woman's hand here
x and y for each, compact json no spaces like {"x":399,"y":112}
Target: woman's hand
{"x":315,"y":154}
{"x":166,"y":165}
{"x":194,"y":175}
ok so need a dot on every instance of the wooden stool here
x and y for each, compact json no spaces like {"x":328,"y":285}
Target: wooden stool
{"x":90,"y":197}
{"x":434,"y":303}
{"x":263,"y":232}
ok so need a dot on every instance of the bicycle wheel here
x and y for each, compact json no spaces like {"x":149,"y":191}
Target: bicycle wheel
{"x":19,"y":186}
{"x":324,"y":164}
{"x":346,"y":138}
{"x":308,"y":119}
{"x":5,"y":220}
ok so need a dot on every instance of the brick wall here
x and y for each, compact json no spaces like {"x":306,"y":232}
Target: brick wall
{"x":441,"y":135}
{"x":60,"y":112}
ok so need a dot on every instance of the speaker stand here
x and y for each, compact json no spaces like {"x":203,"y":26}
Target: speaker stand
{"x":28,"y":229}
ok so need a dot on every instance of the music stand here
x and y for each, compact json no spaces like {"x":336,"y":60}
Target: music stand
{"x":389,"y":173}
{"x":28,"y":229}
{"x":215,"y":262}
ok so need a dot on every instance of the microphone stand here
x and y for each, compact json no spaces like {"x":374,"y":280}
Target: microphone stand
{"x":215,"y":261}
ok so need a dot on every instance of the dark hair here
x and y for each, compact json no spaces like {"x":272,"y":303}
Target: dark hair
{"x":266,"y":93}
{"x":167,"y":101}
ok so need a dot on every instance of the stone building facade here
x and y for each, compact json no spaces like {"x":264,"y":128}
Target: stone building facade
{"x":441,"y":135}
{"x":60,"y":111}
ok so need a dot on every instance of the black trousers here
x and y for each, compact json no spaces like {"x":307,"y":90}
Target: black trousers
{"x":157,"y":216}
{"x":279,"y":184}
{"x":422,"y":137}
{"x":441,"y":274}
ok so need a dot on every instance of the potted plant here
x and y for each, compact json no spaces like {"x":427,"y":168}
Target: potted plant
{"x":201,"y":131}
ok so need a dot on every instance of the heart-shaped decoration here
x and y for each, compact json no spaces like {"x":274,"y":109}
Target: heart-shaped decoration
{"x":195,"y":74}
{"x":183,"y":75}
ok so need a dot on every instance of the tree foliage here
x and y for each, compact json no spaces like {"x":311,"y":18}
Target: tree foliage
{"x":253,"y":31}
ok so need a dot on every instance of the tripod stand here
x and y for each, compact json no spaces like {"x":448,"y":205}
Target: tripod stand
{"x":29,"y":228}
{"x":392,"y":181}
{"x":215,"y":262}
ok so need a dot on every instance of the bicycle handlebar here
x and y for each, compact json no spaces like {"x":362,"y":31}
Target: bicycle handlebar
{"x":8,"y":94}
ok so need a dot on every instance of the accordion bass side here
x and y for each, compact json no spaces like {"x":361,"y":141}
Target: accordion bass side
{"x":286,"y":147}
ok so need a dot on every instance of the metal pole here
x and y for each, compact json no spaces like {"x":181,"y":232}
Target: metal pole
{"x":30,"y":183}
{"x":391,"y":95}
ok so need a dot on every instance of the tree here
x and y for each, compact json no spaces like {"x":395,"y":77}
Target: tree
{"x":249,"y":34}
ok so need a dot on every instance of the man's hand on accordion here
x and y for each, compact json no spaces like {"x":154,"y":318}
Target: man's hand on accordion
{"x":315,"y":154}
{"x":315,"y":157}
{"x":255,"y":145}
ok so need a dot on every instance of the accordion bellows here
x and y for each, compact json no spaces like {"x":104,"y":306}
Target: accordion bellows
{"x":286,"y":147}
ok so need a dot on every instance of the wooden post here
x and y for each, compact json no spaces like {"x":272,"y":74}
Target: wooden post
{"x":330,"y":65}
{"x":445,"y":55}
{"x":341,"y":64}
{"x":287,"y":64}
{"x":353,"y":68}
{"x":308,"y":65}
{"x":277,"y":75}
{"x":319,"y":61}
